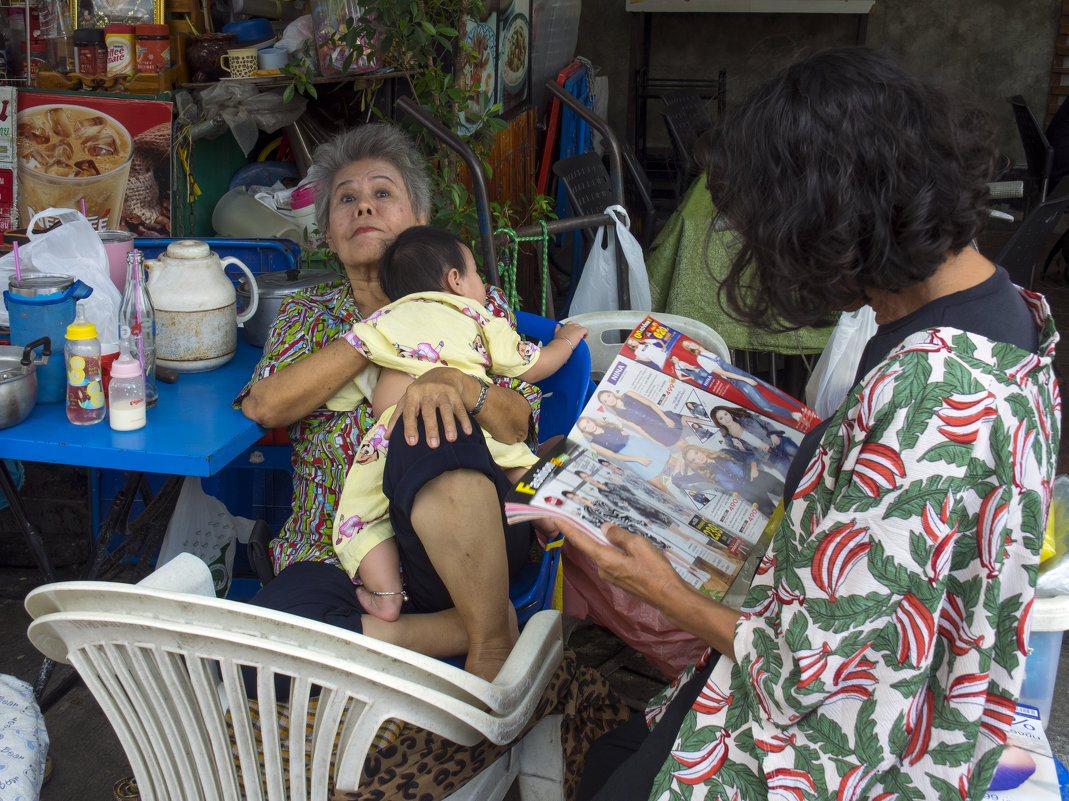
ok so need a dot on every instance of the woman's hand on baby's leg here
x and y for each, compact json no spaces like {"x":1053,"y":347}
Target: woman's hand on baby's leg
{"x":384,"y":607}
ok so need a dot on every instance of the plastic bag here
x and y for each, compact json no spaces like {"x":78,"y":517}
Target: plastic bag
{"x":247,"y":111}
{"x":587,"y":595}
{"x":833,"y":375}
{"x":597,"y":290}
{"x":1054,"y":572}
{"x":22,"y":768}
{"x":74,"y":248}
{"x":202,"y":526}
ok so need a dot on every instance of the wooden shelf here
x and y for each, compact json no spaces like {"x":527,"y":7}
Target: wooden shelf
{"x":141,"y":83}
{"x":364,"y":80}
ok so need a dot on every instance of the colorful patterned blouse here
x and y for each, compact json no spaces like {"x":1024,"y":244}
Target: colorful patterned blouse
{"x":325,"y":442}
{"x":882,"y":643}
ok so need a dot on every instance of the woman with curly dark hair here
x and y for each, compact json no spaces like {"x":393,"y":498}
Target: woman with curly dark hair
{"x":880,"y":648}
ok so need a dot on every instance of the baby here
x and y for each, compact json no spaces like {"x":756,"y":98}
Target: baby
{"x":436,"y":318}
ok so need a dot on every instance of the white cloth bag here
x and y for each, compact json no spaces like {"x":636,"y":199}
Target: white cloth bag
{"x":597,"y":288}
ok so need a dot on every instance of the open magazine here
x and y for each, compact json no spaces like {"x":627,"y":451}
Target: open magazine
{"x":677,"y":445}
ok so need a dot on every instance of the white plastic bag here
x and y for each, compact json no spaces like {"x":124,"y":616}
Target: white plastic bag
{"x":202,"y":526}
{"x":597,"y":288}
{"x":1053,"y":576}
{"x":833,"y":375}
{"x":74,"y":248}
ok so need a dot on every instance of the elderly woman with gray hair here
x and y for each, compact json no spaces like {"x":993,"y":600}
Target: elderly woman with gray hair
{"x":445,"y":492}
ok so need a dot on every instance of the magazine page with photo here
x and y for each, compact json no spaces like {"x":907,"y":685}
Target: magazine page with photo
{"x":574,"y":483}
{"x":692,"y":433}
{"x":693,"y":444}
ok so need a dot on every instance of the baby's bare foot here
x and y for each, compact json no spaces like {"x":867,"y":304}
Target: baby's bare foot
{"x":384,"y":607}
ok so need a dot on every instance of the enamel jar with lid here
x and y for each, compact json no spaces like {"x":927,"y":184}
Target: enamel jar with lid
{"x":196,"y":306}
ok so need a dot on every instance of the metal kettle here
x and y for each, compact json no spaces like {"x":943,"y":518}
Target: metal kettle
{"x":196,"y":306}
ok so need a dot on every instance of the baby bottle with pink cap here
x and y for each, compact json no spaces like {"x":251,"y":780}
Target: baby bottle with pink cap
{"x":126,"y":394}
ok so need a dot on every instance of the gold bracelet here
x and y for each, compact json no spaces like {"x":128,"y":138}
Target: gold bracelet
{"x":570,"y":345}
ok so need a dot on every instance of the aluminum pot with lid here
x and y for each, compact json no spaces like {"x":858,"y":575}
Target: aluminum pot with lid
{"x":274,"y":288}
{"x":32,"y":285}
{"x":18,"y":380}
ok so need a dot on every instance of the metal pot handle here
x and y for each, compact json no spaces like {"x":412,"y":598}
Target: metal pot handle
{"x":44,"y":343}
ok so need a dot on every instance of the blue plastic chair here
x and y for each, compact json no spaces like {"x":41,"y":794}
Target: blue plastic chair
{"x":565,"y":393}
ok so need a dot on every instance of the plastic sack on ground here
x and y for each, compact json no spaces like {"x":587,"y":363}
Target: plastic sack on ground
{"x":202,"y":526}
{"x":23,"y":740}
{"x":1054,"y":572}
{"x":74,"y":248}
{"x":597,"y":288}
{"x":833,"y":374}
{"x":587,"y":595}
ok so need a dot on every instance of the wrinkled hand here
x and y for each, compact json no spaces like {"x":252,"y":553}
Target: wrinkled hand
{"x":435,"y":392}
{"x":630,"y":562}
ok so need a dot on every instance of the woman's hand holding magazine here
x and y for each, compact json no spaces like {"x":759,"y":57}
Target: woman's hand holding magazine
{"x":625,"y":559}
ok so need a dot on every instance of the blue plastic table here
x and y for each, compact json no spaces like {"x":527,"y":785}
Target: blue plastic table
{"x":192,"y":431}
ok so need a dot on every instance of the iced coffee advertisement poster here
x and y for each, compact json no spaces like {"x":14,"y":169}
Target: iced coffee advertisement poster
{"x":8,"y":181}
{"x":574,"y":483}
{"x":113,"y":154}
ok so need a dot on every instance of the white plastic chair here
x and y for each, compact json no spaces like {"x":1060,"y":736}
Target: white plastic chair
{"x":166,"y":668}
{"x":609,"y":329}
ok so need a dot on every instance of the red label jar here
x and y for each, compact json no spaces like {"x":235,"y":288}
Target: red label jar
{"x":153,"y":47}
{"x":90,"y":54}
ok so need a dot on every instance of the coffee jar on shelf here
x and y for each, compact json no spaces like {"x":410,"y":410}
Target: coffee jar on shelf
{"x":153,"y":45}
{"x":120,"y":42}
{"x":90,"y":52}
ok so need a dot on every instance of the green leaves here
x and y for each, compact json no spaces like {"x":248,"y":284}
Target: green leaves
{"x":848,"y":612}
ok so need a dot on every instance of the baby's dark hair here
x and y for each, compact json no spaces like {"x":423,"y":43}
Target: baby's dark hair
{"x":418,"y":260}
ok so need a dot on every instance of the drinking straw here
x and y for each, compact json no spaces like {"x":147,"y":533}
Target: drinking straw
{"x":18,"y":272}
{"x":136,"y":256}
{"x":83,"y":206}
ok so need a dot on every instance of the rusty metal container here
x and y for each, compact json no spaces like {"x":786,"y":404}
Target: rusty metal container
{"x":196,"y":306}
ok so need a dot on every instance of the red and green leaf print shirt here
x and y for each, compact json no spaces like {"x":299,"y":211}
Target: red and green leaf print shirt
{"x":325,"y":442}
{"x":882,"y":644}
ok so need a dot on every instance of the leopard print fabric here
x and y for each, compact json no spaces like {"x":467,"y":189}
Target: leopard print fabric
{"x":419,"y":765}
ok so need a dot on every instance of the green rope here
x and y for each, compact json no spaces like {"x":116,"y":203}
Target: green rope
{"x":508,"y":265}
